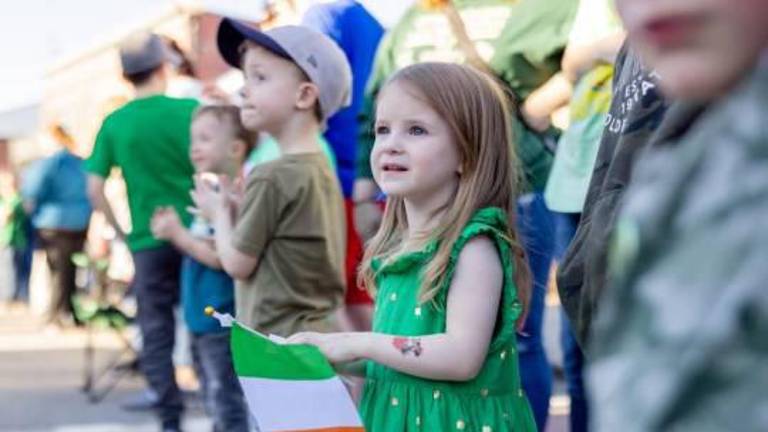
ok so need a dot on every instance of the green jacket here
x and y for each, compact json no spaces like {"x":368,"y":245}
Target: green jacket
{"x":522,"y":41}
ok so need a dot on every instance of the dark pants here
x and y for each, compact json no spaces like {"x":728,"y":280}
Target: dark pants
{"x":22,"y":266}
{"x":59,"y":247}
{"x":224,"y":399}
{"x":573,"y":358}
{"x":537,"y":235}
{"x":156,"y":286}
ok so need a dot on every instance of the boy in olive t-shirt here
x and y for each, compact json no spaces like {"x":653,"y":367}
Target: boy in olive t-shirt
{"x":286,"y":248}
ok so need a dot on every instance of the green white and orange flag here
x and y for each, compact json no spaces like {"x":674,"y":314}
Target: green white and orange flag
{"x":289,"y":387}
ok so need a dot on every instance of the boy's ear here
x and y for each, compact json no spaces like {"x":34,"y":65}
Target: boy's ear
{"x":163,"y":72}
{"x":239,"y":150}
{"x":307,"y":96}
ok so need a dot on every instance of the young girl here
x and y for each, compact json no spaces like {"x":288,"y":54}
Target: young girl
{"x":449,"y":275}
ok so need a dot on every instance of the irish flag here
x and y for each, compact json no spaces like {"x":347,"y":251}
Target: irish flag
{"x":290,"y":387}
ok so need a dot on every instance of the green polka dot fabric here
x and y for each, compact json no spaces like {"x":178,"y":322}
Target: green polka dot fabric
{"x":491,"y":402}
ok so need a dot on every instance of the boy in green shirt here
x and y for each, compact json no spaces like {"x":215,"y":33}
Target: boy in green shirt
{"x":148,"y":139}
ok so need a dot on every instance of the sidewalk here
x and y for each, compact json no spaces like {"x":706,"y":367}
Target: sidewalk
{"x":42,"y":377}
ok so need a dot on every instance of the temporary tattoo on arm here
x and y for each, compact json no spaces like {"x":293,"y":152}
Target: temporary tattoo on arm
{"x":408,"y":345}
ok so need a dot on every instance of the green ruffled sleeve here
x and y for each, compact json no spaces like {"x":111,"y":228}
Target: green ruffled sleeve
{"x":492,"y":223}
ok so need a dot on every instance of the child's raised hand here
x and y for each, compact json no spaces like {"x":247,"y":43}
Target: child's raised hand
{"x":216,"y":94}
{"x":236,"y":193}
{"x":232,"y":189}
{"x":336,"y":347}
{"x":208,"y":196}
{"x":5,"y":215}
{"x":165,"y":223}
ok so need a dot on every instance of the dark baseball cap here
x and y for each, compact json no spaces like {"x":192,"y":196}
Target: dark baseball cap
{"x":316,"y":54}
{"x":142,"y":52}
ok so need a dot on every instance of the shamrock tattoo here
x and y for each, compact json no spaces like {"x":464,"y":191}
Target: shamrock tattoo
{"x":408,"y":345}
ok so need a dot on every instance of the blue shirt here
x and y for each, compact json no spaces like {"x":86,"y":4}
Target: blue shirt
{"x":358,"y":33}
{"x":203,"y":286}
{"x":57,"y":187}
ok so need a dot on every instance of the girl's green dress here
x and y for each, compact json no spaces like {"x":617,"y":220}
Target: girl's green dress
{"x":491,"y":402}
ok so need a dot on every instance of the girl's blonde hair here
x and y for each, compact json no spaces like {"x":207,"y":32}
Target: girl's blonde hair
{"x":476,"y":109}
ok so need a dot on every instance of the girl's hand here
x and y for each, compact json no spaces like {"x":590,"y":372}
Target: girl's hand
{"x":165,"y":223}
{"x":208,"y":196}
{"x":336,"y":347}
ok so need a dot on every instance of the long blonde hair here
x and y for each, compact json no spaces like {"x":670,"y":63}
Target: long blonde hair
{"x":476,"y":109}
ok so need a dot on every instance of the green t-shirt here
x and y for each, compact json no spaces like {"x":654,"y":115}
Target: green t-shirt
{"x":268,"y":150}
{"x":521,"y":40}
{"x":148,"y":139}
{"x":577,"y":148}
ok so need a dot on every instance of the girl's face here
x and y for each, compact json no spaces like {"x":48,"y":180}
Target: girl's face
{"x":212,"y":146}
{"x":415,"y":155}
{"x":700,"y":48}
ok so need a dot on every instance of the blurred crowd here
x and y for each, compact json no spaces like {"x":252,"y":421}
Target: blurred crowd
{"x":639,"y":131}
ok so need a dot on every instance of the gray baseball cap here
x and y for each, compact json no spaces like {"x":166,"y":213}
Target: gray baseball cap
{"x":142,"y":53}
{"x":313,"y":52}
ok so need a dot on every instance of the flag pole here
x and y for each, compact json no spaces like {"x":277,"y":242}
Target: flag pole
{"x":225,"y":320}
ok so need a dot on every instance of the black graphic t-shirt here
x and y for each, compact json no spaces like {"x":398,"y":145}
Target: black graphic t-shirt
{"x":635,"y":113}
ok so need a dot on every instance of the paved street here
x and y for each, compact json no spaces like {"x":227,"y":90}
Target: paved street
{"x":41,"y":374}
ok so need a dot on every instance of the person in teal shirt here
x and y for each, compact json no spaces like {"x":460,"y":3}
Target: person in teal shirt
{"x":219,"y":145}
{"x":54,"y":194}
